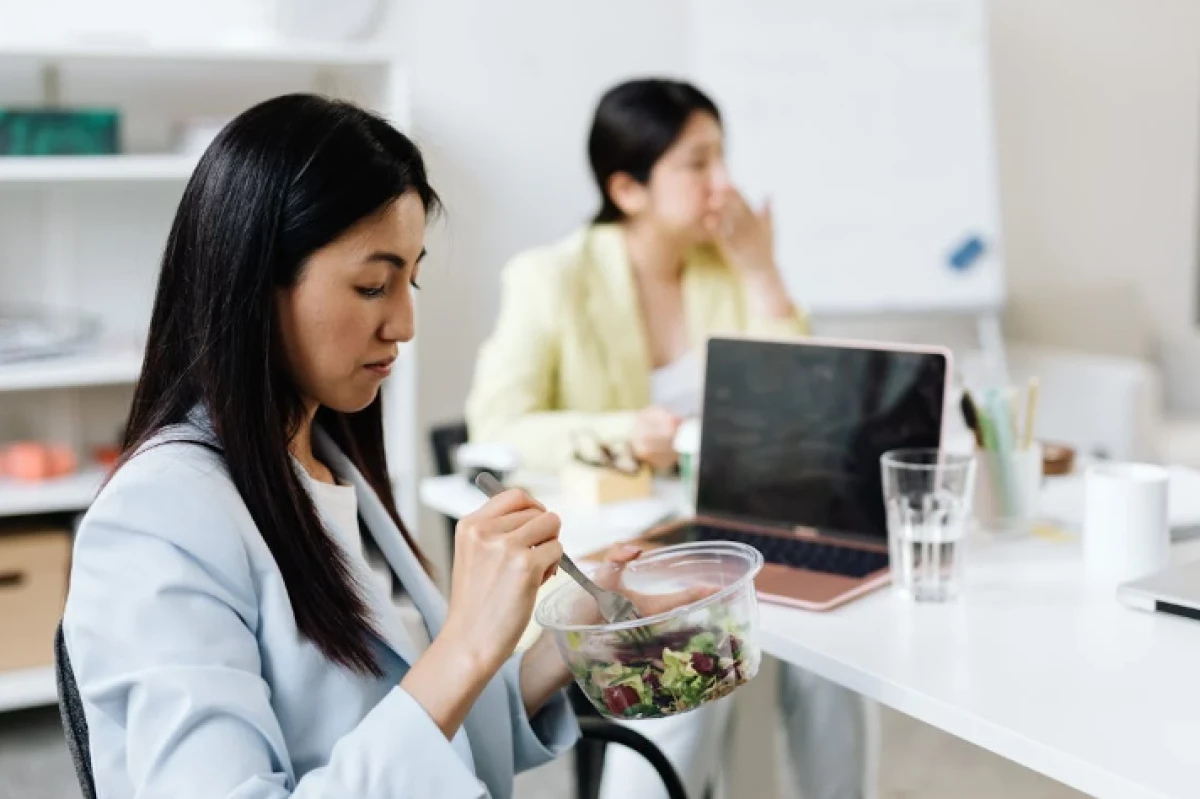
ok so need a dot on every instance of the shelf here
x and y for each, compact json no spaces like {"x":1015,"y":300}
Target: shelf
{"x":96,"y":168}
{"x":112,"y":367}
{"x":289,"y":53}
{"x":27,"y":688}
{"x":62,"y":495}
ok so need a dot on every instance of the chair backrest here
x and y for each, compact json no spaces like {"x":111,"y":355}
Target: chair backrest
{"x":70,"y":706}
{"x":594,"y":729}
{"x":444,"y":439}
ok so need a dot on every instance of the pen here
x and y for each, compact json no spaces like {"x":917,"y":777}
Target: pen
{"x":1003,"y":445}
{"x":971,"y":417}
{"x":1031,"y":403}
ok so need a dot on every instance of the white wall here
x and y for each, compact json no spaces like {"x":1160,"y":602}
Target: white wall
{"x":1097,"y":104}
{"x":1098,"y":136}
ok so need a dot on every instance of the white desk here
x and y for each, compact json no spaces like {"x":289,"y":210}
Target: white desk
{"x":583,"y":529}
{"x":1032,"y":664}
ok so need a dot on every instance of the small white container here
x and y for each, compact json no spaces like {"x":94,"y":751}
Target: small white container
{"x":1125,"y":529}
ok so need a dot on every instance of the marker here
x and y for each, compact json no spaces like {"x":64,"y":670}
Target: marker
{"x":966,"y":254}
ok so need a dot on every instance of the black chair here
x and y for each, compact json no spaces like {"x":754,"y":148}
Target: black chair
{"x":598,"y":731}
{"x":443,"y":440}
{"x":595,"y":732}
{"x":588,"y":755}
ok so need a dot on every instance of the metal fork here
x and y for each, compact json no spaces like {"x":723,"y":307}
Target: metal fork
{"x":613,"y":607}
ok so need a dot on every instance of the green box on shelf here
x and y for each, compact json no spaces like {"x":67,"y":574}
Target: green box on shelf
{"x":54,"y":131}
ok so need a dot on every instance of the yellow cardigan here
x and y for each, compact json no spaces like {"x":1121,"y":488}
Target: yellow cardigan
{"x":569,"y":348}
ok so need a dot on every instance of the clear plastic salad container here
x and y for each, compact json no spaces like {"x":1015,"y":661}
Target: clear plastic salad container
{"x":696,"y":642}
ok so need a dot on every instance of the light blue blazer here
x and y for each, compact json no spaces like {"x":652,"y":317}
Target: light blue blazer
{"x":196,"y":682}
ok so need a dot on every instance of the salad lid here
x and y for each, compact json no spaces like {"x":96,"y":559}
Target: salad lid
{"x":731,"y":565}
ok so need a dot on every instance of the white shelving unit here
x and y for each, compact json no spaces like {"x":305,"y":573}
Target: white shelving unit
{"x":62,"y":495}
{"x":85,"y":234}
{"x":111,"y":366}
{"x":102,"y":168}
{"x":27,"y":688}
{"x":296,"y":54}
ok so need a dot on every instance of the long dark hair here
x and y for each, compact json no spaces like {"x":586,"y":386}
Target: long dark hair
{"x":635,"y":123}
{"x":282,"y":180}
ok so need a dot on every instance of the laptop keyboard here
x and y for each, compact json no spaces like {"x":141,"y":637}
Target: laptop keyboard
{"x":800,"y":553}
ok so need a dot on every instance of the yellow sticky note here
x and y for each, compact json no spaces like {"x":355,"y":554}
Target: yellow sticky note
{"x":1051,"y":532}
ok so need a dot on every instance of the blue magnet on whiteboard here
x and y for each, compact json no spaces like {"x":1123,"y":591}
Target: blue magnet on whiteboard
{"x":966,"y":253}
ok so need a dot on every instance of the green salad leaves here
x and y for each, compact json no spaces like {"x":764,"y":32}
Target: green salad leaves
{"x":678,"y":671}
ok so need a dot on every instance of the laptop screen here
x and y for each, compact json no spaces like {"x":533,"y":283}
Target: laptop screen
{"x":793,"y":431}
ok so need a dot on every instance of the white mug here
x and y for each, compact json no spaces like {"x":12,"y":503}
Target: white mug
{"x":1125,"y":532}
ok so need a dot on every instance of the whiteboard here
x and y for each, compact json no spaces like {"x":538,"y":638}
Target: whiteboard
{"x":869,"y":125}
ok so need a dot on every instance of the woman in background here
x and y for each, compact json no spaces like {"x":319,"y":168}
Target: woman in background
{"x":603,"y":332}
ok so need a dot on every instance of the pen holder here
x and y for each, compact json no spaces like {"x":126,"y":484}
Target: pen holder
{"x":1007,"y":490}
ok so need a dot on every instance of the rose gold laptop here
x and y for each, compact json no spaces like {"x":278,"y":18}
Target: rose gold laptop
{"x":790,"y":450}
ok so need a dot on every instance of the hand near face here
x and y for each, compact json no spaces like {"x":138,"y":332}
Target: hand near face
{"x":745,"y":237}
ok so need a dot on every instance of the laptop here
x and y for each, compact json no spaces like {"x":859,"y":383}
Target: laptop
{"x":791,"y":438}
{"x":1174,"y":590}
